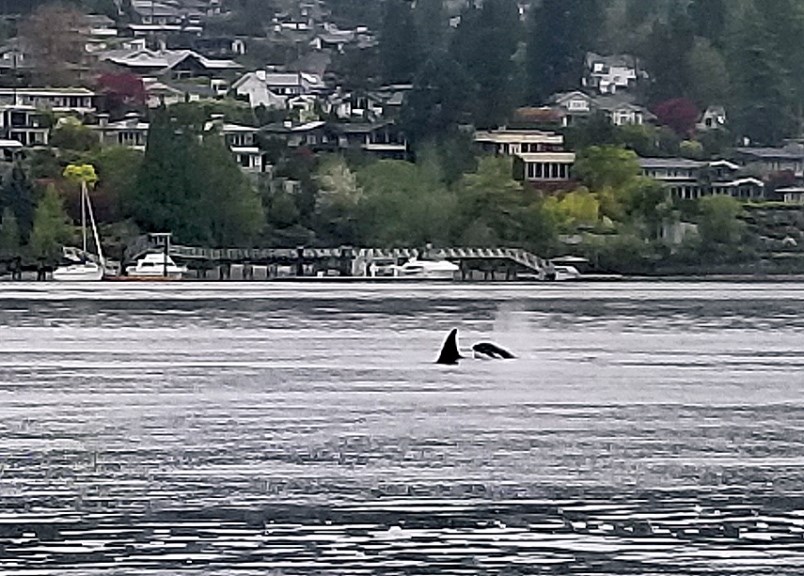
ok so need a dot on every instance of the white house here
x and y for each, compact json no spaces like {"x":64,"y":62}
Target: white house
{"x":610,"y":74}
{"x":273,"y":89}
{"x":542,"y":153}
{"x":713,"y":118}
{"x":63,"y":100}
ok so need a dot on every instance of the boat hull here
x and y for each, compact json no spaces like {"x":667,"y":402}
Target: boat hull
{"x":78,"y":273}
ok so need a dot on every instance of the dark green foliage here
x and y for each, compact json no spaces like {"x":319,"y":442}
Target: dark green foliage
{"x":16,"y":195}
{"x":432,"y":28}
{"x":190,"y":185}
{"x":484,"y":44}
{"x":437,"y":103}
{"x":559,"y":34}
{"x":398,"y":46}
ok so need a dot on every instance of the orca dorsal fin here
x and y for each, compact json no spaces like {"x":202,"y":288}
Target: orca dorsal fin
{"x":449,"y":351}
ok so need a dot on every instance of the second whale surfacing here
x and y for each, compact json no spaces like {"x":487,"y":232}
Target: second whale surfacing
{"x":451,"y":354}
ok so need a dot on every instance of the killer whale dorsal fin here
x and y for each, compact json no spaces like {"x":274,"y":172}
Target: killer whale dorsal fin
{"x":491,"y":350}
{"x":449,"y":351}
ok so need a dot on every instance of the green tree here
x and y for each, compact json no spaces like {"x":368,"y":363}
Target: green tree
{"x":666,"y":57}
{"x":405,"y":205}
{"x":432,"y":27}
{"x":708,"y":73}
{"x":399,"y":50}
{"x":601,"y":167}
{"x":764,"y":117}
{"x":709,"y":17}
{"x":70,"y":134}
{"x":719,"y":224}
{"x":484,"y":43}
{"x":437,"y":103}
{"x":490,"y":205}
{"x":115,"y":194}
{"x":559,"y":34}
{"x":51,"y":227}
{"x":337,"y":204}
{"x":190,"y":184}
{"x":16,"y":195}
{"x":9,"y":234}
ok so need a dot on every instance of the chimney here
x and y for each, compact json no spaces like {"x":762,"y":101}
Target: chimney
{"x":262,"y":75}
{"x":103,"y":120}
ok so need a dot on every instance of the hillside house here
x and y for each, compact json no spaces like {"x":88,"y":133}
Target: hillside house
{"x":273,"y":89}
{"x":713,"y":118}
{"x":316,"y":136}
{"x":61,"y":100}
{"x":620,"y":109}
{"x":768,"y":161}
{"x":693,"y":179}
{"x":24,"y":124}
{"x":131,"y":132}
{"x":542,"y":154}
{"x":175,"y":64}
{"x":610,"y":74}
{"x":381,"y":139}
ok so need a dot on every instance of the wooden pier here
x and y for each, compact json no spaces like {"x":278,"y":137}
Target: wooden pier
{"x":344,"y":261}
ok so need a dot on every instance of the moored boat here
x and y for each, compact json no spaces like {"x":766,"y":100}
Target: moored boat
{"x":155,"y":266}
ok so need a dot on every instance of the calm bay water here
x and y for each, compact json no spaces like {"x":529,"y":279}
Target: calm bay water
{"x":652,"y":428}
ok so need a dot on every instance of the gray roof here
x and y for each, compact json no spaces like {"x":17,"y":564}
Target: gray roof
{"x":773,"y":153}
{"x":664,"y":163}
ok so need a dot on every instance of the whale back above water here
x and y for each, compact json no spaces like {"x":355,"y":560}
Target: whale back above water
{"x":491,"y":350}
{"x":451,"y":354}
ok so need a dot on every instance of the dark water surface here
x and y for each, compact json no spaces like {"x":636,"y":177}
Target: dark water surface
{"x":303,"y":429}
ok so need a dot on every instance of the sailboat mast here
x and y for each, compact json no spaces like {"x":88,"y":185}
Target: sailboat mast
{"x":101,"y":260}
{"x":84,"y":217}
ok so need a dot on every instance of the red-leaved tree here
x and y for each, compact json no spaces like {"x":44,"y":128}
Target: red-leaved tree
{"x":679,"y":114}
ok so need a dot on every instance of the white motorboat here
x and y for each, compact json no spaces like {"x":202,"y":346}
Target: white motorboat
{"x":427,"y":269}
{"x":81,"y":265}
{"x":156,"y":266}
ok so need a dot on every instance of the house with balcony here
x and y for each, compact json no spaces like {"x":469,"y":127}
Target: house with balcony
{"x":687,"y":179}
{"x":59,"y":100}
{"x":242,"y":141}
{"x":382,"y":139}
{"x":131,"y":132}
{"x":540,"y":156}
{"x":769,"y":161}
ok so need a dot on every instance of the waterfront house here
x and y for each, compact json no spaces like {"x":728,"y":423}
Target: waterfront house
{"x":540,"y":155}
{"x":791,"y":195}
{"x":768,"y":161}
{"x":693,"y":179}
{"x":242,"y":141}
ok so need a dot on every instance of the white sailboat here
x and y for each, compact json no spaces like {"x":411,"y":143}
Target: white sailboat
{"x":83,"y":266}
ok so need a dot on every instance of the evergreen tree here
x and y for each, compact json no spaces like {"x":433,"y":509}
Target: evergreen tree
{"x":762,"y":95}
{"x":559,"y":34}
{"x":16,"y":194}
{"x":51,"y":227}
{"x":431,"y":25}
{"x":437,"y":103}
{"x":709,"y":17}
{"x":485,"y":43}
{"x":666,"y":56}
{"x":399,"y":50}
{"x":190,"y":185}
{"x":9,"y":234}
